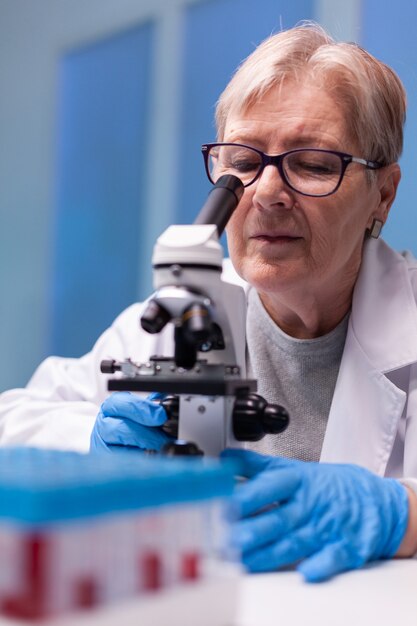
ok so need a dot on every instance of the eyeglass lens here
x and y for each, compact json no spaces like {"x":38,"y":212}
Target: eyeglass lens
{"x":307,"y":171}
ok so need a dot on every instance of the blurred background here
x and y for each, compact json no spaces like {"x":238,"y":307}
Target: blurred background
{"x":103,"y":107}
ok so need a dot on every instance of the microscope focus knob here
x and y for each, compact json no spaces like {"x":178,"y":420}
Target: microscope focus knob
{"x":109,"y":366}
{"x":253,"y":418}
{"x":275,"y":419}
{"x":171,"y":405}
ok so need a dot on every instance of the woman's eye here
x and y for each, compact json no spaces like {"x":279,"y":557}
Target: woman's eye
{"x":310,"y":167}
{"x":244,"y":165}
{"x":318,"y":169}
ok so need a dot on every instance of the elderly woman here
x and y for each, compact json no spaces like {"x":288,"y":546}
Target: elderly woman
{"x":313,"y":128}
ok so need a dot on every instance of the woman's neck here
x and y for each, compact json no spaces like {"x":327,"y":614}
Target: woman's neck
{"x":305,"y":315}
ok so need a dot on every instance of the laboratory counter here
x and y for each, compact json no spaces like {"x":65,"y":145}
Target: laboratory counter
{"x":383,"y":593}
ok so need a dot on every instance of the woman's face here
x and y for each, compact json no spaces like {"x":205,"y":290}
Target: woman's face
{"x":280,"y":240}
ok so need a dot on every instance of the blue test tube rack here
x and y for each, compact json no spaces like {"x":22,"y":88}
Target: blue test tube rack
{"x":81,"y":531}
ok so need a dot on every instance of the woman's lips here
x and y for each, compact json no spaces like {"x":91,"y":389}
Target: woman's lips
{"x":276,"y":238}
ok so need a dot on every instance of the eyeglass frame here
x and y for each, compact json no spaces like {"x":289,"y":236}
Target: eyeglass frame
{"x":276,"y":160}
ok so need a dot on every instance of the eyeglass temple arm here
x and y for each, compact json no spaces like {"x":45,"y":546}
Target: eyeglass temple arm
{"x":372,"y":165}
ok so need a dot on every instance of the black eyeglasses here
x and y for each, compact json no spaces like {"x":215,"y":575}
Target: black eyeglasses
{"x":309,"y":171}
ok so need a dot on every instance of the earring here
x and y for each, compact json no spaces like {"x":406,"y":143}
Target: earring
{"x":375,"y":229}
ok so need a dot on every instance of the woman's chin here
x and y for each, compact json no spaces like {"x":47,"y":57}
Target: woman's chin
{"x":275,"y":276}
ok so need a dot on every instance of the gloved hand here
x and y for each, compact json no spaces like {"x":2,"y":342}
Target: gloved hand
{"x":127,"y":421}
{"x":328,"y":518}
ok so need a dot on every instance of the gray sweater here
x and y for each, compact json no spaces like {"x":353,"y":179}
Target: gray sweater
{"x":299,"y":374}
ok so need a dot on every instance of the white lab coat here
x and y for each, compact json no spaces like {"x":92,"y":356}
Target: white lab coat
{"x":373,"y":417}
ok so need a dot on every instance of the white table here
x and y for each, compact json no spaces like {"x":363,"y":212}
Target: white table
{"x":383,"y":594}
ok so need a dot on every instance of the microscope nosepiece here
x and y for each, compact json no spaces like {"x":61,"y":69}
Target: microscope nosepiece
{"x":154,"y":318}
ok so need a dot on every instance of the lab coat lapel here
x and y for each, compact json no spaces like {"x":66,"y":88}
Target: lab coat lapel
{"x":382,"y":338}
{"x":364,"y":414}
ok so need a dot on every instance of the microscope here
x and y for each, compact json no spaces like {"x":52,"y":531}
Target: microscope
{"x":209,"y":402}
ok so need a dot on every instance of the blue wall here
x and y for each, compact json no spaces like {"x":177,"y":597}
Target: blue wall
{"x":218,"y":36}
{"x":389,"y":32}
{"x":101,"y":174}
{"x":77,"y":127}
{"x":102,"y":153}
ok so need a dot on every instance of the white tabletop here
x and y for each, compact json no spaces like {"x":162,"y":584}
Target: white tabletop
{"x":382,"y":594}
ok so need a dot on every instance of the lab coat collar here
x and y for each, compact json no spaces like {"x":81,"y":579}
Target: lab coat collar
{"x":369,"y":397}
{"x":384,"y":312}
{"x":368,"y":402}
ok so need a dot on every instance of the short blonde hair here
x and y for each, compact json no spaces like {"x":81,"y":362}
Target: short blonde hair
{"x":370,"y":92}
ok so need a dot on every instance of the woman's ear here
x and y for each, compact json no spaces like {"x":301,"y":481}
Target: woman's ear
{"x":388,"y":179}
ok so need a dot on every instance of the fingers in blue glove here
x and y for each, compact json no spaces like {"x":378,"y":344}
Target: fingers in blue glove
{"x":300,"y":545}
{"x":115,"y":431}
{"x":128,"y":421}
{"x":331,"y":560}
{"x":261,"y":530}
{"x":141,"y":410}
{"x":291,"y":549}
{"x":269,"y":488}
{"x":331,"y":517}
{"x":251,"y":463}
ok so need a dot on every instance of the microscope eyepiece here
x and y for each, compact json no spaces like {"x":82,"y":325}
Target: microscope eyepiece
{"x":221,"y":202}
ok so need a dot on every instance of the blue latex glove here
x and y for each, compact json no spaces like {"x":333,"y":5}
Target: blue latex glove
{"x":328,"y":518}
{"x":127,"y":421}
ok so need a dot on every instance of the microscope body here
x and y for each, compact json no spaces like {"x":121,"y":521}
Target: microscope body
{"x":210,"y":401}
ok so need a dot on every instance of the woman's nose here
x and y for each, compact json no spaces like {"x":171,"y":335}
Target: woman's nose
{"x":272,"y":191}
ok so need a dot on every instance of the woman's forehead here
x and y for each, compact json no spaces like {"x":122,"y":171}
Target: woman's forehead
{"x":294,"y":114}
